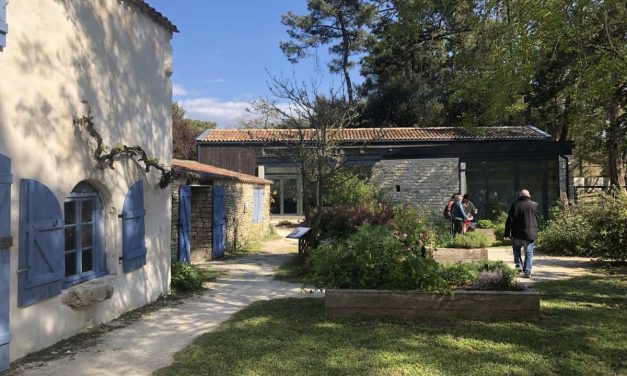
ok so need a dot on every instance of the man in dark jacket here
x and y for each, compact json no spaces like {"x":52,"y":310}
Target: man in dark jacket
{"x":522,"y":228}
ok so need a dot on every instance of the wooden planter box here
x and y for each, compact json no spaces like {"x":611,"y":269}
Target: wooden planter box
{"x":477,"y":305}
{"x":453,"y":255}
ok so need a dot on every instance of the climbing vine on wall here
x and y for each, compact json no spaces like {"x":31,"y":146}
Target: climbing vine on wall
{"x":105,"y":157}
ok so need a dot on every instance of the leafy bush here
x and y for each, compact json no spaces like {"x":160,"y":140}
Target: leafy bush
{"x":499,"y":229}
{"x":590,"y":230}
{"x":350,"y":189}
{"x":374,"y":258}
{"x":485,"y":223}
{"x":186,"y":277}
{"x":417,"y":228}
{"x":469,"y":240}
{"x":343,"y":219}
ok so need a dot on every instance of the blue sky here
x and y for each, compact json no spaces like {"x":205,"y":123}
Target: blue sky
{"x":224,"y":49}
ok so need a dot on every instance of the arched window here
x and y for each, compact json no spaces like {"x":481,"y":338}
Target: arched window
{"x":84,"y":235}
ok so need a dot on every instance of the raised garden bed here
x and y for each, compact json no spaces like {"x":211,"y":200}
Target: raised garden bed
{"x":453,"y":255}
{"x":477,"y":305}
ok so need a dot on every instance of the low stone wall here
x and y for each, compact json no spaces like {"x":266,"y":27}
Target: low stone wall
{"x":476,"y":305}
{"x":455,"y":255}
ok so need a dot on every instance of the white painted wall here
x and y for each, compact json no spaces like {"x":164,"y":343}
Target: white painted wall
{"x":59,"y":52}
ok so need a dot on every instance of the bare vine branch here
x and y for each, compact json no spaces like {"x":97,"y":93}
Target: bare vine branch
{"x":106,"y":158}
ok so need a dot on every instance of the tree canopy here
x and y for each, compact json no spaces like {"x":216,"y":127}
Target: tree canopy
{"x":559,"y":65}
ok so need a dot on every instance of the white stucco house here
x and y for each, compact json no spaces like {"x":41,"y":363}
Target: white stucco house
{"x":68,"y":229}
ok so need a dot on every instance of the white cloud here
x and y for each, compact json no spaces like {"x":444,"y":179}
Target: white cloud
{"x":219,"y":80}
{"x":178,"y":91}
{"x":225,"y":113}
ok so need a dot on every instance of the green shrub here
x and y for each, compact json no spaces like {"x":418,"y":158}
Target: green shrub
{"x":374,"y":258}
{"x":350,"y":189}
{"x":499,"y":229}
{"x":591,"y":230}
{"x":469,"y":240}
{"x":186,"y":277}
{"x":485,"y":223}
{"x":371,"y":258}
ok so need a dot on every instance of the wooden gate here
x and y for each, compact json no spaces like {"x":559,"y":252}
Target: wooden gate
{"x":219,"y":222}
{"x":6,"y":241}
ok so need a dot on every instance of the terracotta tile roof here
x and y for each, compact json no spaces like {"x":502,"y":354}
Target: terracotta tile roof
{"x":154,"y":14}
{"x":379,"y":134}
{"x":206,"y":170}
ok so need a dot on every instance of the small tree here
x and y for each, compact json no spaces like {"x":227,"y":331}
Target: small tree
{"x":310,"y":124}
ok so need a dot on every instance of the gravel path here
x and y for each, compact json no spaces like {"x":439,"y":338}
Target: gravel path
{"x":546,"y":268}
{"x":150,"y":343}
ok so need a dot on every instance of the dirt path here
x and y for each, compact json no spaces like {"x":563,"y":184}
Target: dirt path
{"x":150,"y":343}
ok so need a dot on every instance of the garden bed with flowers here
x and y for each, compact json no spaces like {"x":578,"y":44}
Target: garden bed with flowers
{"x":395,"y":262}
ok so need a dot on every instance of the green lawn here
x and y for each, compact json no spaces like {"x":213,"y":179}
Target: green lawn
{"x":583,"y":331}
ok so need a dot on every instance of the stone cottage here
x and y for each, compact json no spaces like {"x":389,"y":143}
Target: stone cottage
{"x":215,"y":211}
{"x":80,"y":245}
{"x":418,"y":166}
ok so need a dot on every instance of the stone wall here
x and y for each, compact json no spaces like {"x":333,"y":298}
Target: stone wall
{"x":202,"y":219}
{"x":240,"y":228}
{"x":425,"y":183}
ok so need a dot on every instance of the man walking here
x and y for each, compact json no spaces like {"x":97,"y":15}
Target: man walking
{"x":522,"y":228}
{"x":458,"y":215}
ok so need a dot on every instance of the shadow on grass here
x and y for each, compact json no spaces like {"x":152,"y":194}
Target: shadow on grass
{"x":581,"y":332}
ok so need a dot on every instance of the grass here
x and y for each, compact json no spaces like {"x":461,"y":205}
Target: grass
{"x":581,"y":332}
{"x":247,"y":248}
{"x":290,"y":271}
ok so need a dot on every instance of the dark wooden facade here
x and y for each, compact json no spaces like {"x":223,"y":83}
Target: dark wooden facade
{"x":240,"y":158}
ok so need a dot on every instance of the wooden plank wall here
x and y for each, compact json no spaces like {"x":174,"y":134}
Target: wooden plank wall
{"x":236,"y":158}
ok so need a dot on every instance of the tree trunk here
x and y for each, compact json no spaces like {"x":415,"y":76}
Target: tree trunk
{"x":615,"y":146}
{"x":346,"y":45}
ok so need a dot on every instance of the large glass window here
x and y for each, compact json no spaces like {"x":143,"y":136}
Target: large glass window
{"x":286,"y":197}
{"x":493,"y":186}
{"x":84,"y":242}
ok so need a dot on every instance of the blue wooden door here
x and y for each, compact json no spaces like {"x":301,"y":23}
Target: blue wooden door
{"x":219,"y":222}
{"x":5,"y":252}
{"x":185,"y":220}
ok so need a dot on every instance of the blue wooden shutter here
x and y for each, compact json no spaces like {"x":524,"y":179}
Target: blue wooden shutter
{"x":133,"y":230}
{"x":5,"y":254}
{"x":41,"y":258}
{"x":185,"y":214}
{"x":258,"y":205}
{"x":3,"y":24}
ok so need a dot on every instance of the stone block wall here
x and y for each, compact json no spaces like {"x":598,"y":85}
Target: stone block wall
{"x":239,"y":202}
{"x":426,"y":183}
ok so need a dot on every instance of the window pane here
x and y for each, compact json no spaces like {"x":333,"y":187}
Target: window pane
{"x":290,"y":196}
{"x":70,"y":264}
{"x":87,"y":236}
{"x":87,"y":261}
{"x":87,"y":210}
{"x":70,"y":238}
{"x":69,"y":209}
{"x":275,"y":200}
